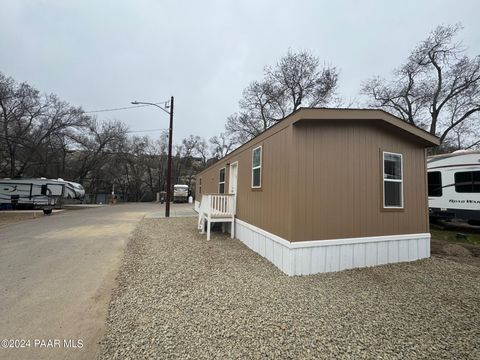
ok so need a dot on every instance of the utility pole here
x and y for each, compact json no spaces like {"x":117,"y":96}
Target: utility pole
{"x":170,"y":139}
{"x":169,"y":169}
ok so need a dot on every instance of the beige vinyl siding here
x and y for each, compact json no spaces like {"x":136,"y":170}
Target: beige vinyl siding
{"x":266,"y":207}
{"x":340,"y":182}
{"x":322,"y":179}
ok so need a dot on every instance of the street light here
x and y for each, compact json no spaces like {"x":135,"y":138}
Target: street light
{"x":170,"y":131}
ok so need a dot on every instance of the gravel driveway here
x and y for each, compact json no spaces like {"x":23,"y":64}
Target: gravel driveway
{"x":180,"y":296}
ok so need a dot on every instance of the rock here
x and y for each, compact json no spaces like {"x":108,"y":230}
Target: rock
{"x":179,"y":296}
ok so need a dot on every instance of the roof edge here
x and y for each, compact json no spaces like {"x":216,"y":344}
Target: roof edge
{"x":302,"y":112}
{"x":373,"y":114}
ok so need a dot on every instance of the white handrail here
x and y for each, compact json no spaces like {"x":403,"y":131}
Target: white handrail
{"x":217,"y":208}
{"x":222,"y":204}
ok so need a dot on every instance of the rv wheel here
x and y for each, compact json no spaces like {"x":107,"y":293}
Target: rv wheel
{"x":47,"y":211}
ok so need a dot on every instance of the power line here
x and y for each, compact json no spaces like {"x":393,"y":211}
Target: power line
{"x":140,"y":131}
{"x":117,"y":109}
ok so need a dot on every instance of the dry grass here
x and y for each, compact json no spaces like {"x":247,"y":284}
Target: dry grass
{"x":12,"y":218}
{"x":459,"y":244}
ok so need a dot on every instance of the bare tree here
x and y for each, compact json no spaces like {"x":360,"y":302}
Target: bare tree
{"x":162,"y":147}
{"x":190,"y":157}
{"x":190,"y":145}
{"x":221,"y":145}
{"x":297,"y":79}
{"x":40,"y":135}
{"x":96,"y":147}
{"x":202,"y":151}
{"x":437,"y":88}
{"x":243,"y":126}
{"x":30,"y":121}
{"x":56,"y":120}
{"x":137,"y":166}
{"x":465,"y":135}
{"x":20,"y":104}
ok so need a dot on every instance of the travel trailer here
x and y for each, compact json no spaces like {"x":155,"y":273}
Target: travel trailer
{"x":325,"y":190}
{"x":454,"y":186}
{"x":37,"y":192}
{"x":180,"y":193}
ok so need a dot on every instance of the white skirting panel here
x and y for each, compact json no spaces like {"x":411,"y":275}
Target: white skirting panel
{"x":318,"y":256}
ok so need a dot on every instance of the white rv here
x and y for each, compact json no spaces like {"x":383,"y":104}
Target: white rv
{"x":180,"y":193}
{"x":454,"y":186}
{"x":37,"y":193}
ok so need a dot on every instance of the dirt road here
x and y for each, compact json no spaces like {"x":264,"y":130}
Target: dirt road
{"x":57,"y":274}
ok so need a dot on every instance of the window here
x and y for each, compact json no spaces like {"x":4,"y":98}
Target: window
{"x":200,"y":185}
{"x":392,"y":180}
{"x":221,"y":181}
{"x":257,"y":167}
{"x":435,"y":183}
{"x":467,"y":182}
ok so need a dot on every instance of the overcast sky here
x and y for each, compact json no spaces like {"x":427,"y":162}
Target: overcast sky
{"x":104,"y":54}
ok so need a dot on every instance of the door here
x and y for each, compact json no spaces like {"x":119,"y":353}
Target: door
{"x":232,"y":187}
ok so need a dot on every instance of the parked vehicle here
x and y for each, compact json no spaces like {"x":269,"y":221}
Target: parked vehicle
{"x":180,"y":193}
{"x":454,"y":186}
{"x":37,"y":193}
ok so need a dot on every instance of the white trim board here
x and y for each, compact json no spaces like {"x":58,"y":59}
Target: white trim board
{"x":318,"y":256}
{"x":314,"y":243}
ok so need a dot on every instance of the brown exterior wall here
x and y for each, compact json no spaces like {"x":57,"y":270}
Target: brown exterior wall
{"x":267,"y":208}
{"x":323,"y":179}
{"x":339,"y":182}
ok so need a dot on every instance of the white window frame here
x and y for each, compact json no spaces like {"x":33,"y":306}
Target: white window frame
{"x":257,"y":167}
{"x":222,"y":182}
{"x":230,"y":177}
{"x":392,"y":180}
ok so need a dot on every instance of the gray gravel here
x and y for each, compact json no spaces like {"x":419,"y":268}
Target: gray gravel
{"x":180,"y":296}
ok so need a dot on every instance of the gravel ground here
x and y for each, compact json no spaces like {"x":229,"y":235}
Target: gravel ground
{"x":180,"y":296}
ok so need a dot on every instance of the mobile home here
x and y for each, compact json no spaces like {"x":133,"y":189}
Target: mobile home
{"x":454,"y":186}
{"x":329,"y":189}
